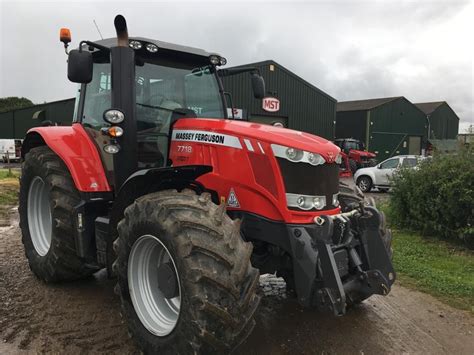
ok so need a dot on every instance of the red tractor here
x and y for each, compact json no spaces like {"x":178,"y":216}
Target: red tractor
{"x":355,"y":150}
{"x":184,"y":206}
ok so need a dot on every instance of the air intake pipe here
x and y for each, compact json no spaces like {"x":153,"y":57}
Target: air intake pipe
{"x":122,"y":31}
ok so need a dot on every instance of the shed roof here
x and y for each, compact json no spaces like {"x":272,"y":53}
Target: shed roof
{"x":289,"y":72}
{"x":364,"y":105}
{"x":429,"y":107}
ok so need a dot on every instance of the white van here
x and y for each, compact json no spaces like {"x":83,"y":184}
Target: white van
{"x":10,"y":150}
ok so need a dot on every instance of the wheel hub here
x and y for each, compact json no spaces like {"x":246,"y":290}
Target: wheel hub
{"x":167,"y":281}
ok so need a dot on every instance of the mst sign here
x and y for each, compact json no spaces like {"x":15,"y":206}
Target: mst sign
{"x":271,"y":104}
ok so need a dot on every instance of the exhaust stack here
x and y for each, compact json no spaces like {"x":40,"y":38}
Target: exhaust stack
{"x":121,"y":29}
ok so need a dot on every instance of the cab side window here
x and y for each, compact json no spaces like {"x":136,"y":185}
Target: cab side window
{"x":98,"y":96}
{"x":390,"y":164}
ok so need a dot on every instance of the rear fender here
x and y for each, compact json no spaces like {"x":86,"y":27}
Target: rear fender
{"x":73,"y":145}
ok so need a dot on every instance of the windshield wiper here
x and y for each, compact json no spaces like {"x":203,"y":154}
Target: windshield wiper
{"x":176,"y":110}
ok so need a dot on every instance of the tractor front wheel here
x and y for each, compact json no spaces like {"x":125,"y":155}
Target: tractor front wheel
{"x":47,"y":200}
{"x":184,"y":275}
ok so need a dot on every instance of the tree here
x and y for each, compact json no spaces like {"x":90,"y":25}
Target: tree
{"x":13,"y":103}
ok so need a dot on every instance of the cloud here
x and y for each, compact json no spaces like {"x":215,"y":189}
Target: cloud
{"x":350,"y":49}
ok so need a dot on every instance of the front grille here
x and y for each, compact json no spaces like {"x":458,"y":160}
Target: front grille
{"x":307,"y":179}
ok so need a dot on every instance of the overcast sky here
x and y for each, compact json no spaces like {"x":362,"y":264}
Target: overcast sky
{"x":423,"y":50}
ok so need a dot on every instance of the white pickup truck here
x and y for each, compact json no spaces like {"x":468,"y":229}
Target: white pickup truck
{"x":10,"y":150}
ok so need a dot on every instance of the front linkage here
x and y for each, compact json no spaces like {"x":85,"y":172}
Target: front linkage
{"x":341,"y":260}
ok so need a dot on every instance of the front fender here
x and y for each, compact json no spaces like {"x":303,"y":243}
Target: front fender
{"x":146,"y":181}
{"x":73,"y":145}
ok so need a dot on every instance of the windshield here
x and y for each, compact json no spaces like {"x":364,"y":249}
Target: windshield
{"x":168,"y":88}
{"x":354,"y":145}
{"x":162,"y":91}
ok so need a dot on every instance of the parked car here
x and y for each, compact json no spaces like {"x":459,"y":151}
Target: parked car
{"x":379,"y":176}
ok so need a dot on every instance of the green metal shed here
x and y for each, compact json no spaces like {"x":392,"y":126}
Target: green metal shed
{"x":388,"y":126}
{"x":15,"y":123}
{"x":302,"y":106}
{"x":443,"y":121}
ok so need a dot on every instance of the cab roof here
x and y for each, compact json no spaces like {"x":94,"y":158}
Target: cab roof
{"x":112,"y":42}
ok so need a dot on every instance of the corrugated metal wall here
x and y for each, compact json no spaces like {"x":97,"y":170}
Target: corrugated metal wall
{"x":390,"y":126}
{"x":6,"y":125}
{"x":444,"y":123}
{"x":305,"y":107}
{"x":15,"y":124}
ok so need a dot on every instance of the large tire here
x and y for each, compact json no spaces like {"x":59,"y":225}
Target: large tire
{"x":217,"y":284}
{"x":46,"y":218}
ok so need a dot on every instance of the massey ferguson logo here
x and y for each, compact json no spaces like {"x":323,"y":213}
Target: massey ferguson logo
{"x":330,"y":157}
{"x":270,"y":104}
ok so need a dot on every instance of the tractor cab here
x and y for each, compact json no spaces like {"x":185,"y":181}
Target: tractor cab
{"x":167,"y":86}
{"x":132,"y":91}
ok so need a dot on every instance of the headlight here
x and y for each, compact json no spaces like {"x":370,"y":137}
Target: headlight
{"x":294,"y":154}
{"x":223,"y":61}
{"x":315,"y":159}
{"x":152,"y":48}
{"x":297,"y":155}
{"x":319,"y":202}
{"x":305,"y":202}
{"x":338,"y":159}
{"x":300,"y":201}
{"x":214,"y":59}
{"x":135,"y":44}
{"x":112,"y":148}
{"x":335,"y":200}
{"x":114,"y":116}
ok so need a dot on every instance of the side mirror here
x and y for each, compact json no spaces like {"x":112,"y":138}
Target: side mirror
{"x":258,"y":86}
{"x":79,"y":66}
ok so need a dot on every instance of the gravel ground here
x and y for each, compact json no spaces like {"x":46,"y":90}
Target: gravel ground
{"x":83,"y":317}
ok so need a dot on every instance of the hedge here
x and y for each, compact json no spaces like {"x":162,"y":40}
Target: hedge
{"x":437,"y":198}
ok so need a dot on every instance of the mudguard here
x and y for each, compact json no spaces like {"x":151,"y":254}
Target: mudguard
{"x":74,"y":146}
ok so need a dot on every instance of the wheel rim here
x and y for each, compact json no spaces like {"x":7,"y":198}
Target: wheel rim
{"x":363,"y":185}
{"x":157,"y":313}
{"x":39,"y":216}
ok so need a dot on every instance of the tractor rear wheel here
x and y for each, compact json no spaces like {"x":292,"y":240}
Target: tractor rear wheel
{"x":47,"y":200}
{"x":184,"y":275}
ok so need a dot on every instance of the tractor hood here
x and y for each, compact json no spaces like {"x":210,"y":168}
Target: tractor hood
{"x":262,"y":133}
{"x":363,"y":153}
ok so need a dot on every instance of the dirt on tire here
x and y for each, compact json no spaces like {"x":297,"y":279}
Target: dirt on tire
{"x":83,"y":317}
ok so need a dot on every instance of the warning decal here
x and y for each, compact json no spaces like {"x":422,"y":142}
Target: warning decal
{"x":232,"y":201}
